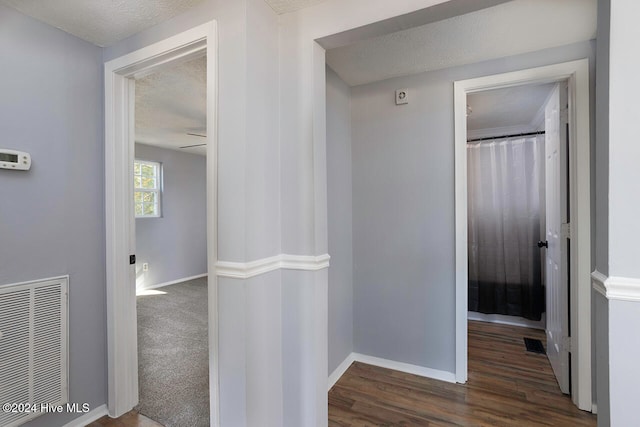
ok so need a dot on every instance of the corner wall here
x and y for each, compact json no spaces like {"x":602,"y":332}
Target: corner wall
{"x":339,"y":213}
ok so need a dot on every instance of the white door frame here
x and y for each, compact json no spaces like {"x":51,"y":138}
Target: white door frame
{"x":577,"y":74}
{"x":119,"y":75}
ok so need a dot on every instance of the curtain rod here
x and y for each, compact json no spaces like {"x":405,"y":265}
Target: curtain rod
{"x":506,"y":136}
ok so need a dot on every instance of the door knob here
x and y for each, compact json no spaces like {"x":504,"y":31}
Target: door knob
{"x":542,"y":244}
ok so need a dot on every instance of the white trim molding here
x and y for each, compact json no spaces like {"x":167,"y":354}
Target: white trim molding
{"x":616,"y":288}
{"x":246,"y":270}
{"x":340,"y":370}
{"x":597,"y":281}
{"x":172,"y":282}
{"x":408,"y":368}
{"x":89,"y":417}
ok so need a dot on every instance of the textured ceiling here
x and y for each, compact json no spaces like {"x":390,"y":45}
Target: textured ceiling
{"x":105,"y":22}
{"x":508,"y":29}
{"x":520,"y":107}
{"x":102,"y":22}
{"x":171,"y":103}
{"x":285,"y":6}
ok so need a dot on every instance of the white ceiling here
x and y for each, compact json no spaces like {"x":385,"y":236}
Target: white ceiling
{"x":286,"y":6}
{"x":504,"y":111}
{"x":105,"y":22}
{"x":508,"y":29}
{"x":102,"y":22}
{"x":172,"y":103}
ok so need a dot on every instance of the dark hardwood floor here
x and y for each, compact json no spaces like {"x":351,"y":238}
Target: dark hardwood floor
{"x":130,"y":419}
{"x":507,"y":386}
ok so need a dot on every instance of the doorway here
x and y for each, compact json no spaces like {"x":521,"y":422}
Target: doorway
{"x":171,"y":247}
{"x":579,"y":343}
{"x":518,"y":201}
{"x":120,"y":76}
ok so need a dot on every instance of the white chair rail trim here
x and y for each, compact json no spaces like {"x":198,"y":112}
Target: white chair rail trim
{"x":246,"y":270}
{"x":616,"y":288}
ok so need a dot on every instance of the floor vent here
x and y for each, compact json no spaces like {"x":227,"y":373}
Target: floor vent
{"x":534,"y":346}
{"x":33,"y":348}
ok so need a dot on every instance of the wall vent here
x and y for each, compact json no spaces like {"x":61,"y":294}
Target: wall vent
{"x":33,"y":347}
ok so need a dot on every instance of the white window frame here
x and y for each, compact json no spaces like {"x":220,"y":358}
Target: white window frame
{"x":157,"y":190}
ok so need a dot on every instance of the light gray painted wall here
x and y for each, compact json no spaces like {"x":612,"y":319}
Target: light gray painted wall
{"x":263,"y":229}
{"x":623,"y":377}
{"x":623,"y":210}
{"x":339,"y":211}
{"x":304,"y":343}
{"x":52,"y":217}
{"x":600,"y":346}
{"x":403,"y":210}
{"x":624,"y":174}
{"x":175,"y":245}
{"x":602,"y":140}
{"x":601,"y":355}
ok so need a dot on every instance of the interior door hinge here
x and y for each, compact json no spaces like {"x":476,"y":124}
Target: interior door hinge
{"x":566,"y":344}
{"x":565,"y":230}
{"x":564,"y":115}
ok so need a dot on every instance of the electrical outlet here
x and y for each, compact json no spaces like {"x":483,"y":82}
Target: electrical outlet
{"x":145,"y":266}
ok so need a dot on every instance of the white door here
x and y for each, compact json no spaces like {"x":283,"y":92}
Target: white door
{"x":557,"y":284}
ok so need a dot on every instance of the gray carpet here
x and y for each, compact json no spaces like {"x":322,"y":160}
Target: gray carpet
{"x":173,"y":361}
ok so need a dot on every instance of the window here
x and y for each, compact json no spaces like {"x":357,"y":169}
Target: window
{"x":147,"y":182}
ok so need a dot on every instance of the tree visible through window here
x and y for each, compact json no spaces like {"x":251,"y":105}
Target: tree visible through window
{"x":147,"y":184}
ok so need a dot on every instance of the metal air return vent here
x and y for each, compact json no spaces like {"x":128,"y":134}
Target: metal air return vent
{"x":33,"y":347}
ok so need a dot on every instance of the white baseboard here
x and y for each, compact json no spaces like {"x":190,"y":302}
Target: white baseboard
{"x":89,"y":417}
{"x":422,"y":371}
{"x":173,"y":282}
{"x":408,"y":368}
{"x":594,"y":409}
{"x":506,"y":320}
{"x":340,"y":370}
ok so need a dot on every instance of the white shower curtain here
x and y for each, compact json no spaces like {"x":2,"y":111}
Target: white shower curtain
{"x":505,"y":177}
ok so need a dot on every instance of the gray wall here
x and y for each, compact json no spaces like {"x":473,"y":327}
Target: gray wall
{"x":403,"y":210}
{"x":602,"y":138}
{"x":620,"y":375}
{"x":175,"y":245}
{"x":618,"y":121}
{"x":601,"y":354}
{"x":600,"y":305}
{"x":52,"y":217}
{"x":339,"y":211}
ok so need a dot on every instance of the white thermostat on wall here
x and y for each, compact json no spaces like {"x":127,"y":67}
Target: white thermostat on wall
{"x":16,"y":160}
